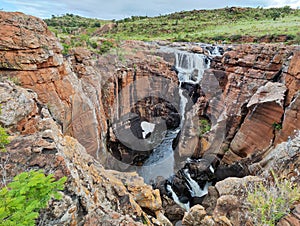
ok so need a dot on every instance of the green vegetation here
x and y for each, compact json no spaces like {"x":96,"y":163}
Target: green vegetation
{"x":230,"y":25}
{"x":3,"y":139}
{"x":77,"y":31}
{"x":29,"y":192}
{"x":204,"y":127}
{"x":270,"y":202}
{"x":21,"y":200}
{"x":70,"y":23}
{"x":277,"y":126}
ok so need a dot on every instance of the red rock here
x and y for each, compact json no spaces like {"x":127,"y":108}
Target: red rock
{"x":257,"y":131}
{"x":291,"y":121}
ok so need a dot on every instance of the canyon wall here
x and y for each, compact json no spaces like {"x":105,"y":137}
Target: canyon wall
{"x":60,"y":120}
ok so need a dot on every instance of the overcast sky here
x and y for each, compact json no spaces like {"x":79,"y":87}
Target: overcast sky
{"x":117,"y":9}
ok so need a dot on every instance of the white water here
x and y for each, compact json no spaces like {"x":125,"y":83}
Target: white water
{"x":161,"y":162}
{"x":147,"y":128}
{"x":195,"y":189}
{"x":215,"y":52}
{"x":190,"y":66}
{"x":185,"y":206}
{"x":211,"y":169}
{"x":183,"y":103}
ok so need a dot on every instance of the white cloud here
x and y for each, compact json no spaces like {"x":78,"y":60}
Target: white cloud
{"x":116,"y":9}
{"x":281,"y":3}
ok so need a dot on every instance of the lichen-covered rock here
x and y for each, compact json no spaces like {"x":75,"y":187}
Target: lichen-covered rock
{"x":194,"y":216}
{"x":235,"y":186}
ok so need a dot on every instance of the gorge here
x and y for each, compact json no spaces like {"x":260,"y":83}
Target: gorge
{"x":100,"y":119}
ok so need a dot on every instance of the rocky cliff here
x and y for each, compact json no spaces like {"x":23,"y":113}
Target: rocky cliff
{"x":59,"y":112}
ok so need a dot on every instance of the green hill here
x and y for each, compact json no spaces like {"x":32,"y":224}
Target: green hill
{"x":230,"y":25}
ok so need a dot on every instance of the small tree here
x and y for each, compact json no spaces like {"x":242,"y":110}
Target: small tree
{"x":22,"y":199}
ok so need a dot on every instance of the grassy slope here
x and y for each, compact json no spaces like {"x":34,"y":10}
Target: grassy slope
{"x":212,"y":25}
{"x":229,"y":24}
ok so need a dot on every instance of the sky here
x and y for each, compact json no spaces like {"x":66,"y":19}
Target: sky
{"x":118,"y":9}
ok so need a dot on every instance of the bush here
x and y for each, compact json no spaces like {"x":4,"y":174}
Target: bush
{"x":204,"y":127}
{"x":22,"y":199}
{"x":3,"y":139}
{"x":105,"y":46}
{"x":66,"y":49}
{"x":268,"y":203}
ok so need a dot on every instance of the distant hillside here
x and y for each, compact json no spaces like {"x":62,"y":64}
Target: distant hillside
{"x":230,"y":25}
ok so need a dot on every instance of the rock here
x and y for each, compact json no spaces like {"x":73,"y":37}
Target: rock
{"x":283,"y":159}
{"x":194,"y":216}
{"x":292,"y":77}
{"x":197,"y":49}
{"x":143,"y":194}
{"x":80,"y":89}
{"x":291,"y":120}
{"x":92,"y":195}
{"x":291,"y":219}
{"x":225,"y":204}
{"x":210,"y":200}
{"x":247,"y":68}
{"x":105,"y":28}
{"x":172,"y":210}
{"x":235,"y":186}
{"x":19,"y":105}
{"x":257,"y":131}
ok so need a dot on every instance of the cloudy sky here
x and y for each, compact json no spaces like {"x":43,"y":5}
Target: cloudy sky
{"x":117,"y":9}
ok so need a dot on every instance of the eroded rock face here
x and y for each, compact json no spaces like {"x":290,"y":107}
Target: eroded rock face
{"x":31,"y":55}
{"x":92,"y":194}
{"x":81,"y":89}
{"x":256,"y":100}
{"x":265,"y":112}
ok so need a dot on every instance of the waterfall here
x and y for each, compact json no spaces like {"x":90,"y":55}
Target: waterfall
{"x":183,"y":102}
{"x":185,"y":206}
{"x":195,"y":189}
{"x":161,"y":161}
{"x":190,"y":66}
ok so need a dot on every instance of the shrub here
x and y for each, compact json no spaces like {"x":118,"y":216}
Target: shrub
{"x":268,"y":203}
{"x":3,"y":139}
{"x":29,"y":192}
{"x":105,"y":46}
{"x":66,"y":49}
{"x":204,"y":126}
{"x":277,"y":126}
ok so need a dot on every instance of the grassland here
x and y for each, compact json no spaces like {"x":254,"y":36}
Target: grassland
{"x":226,"y":24}
{"x":230,"y":25}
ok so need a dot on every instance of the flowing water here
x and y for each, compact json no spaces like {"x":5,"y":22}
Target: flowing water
{"x":190,"y":68}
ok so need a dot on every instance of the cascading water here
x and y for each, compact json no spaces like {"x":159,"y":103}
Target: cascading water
{"x":185,"y":206}
{"x":194,"y":187}
{"x":190,"y":68}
